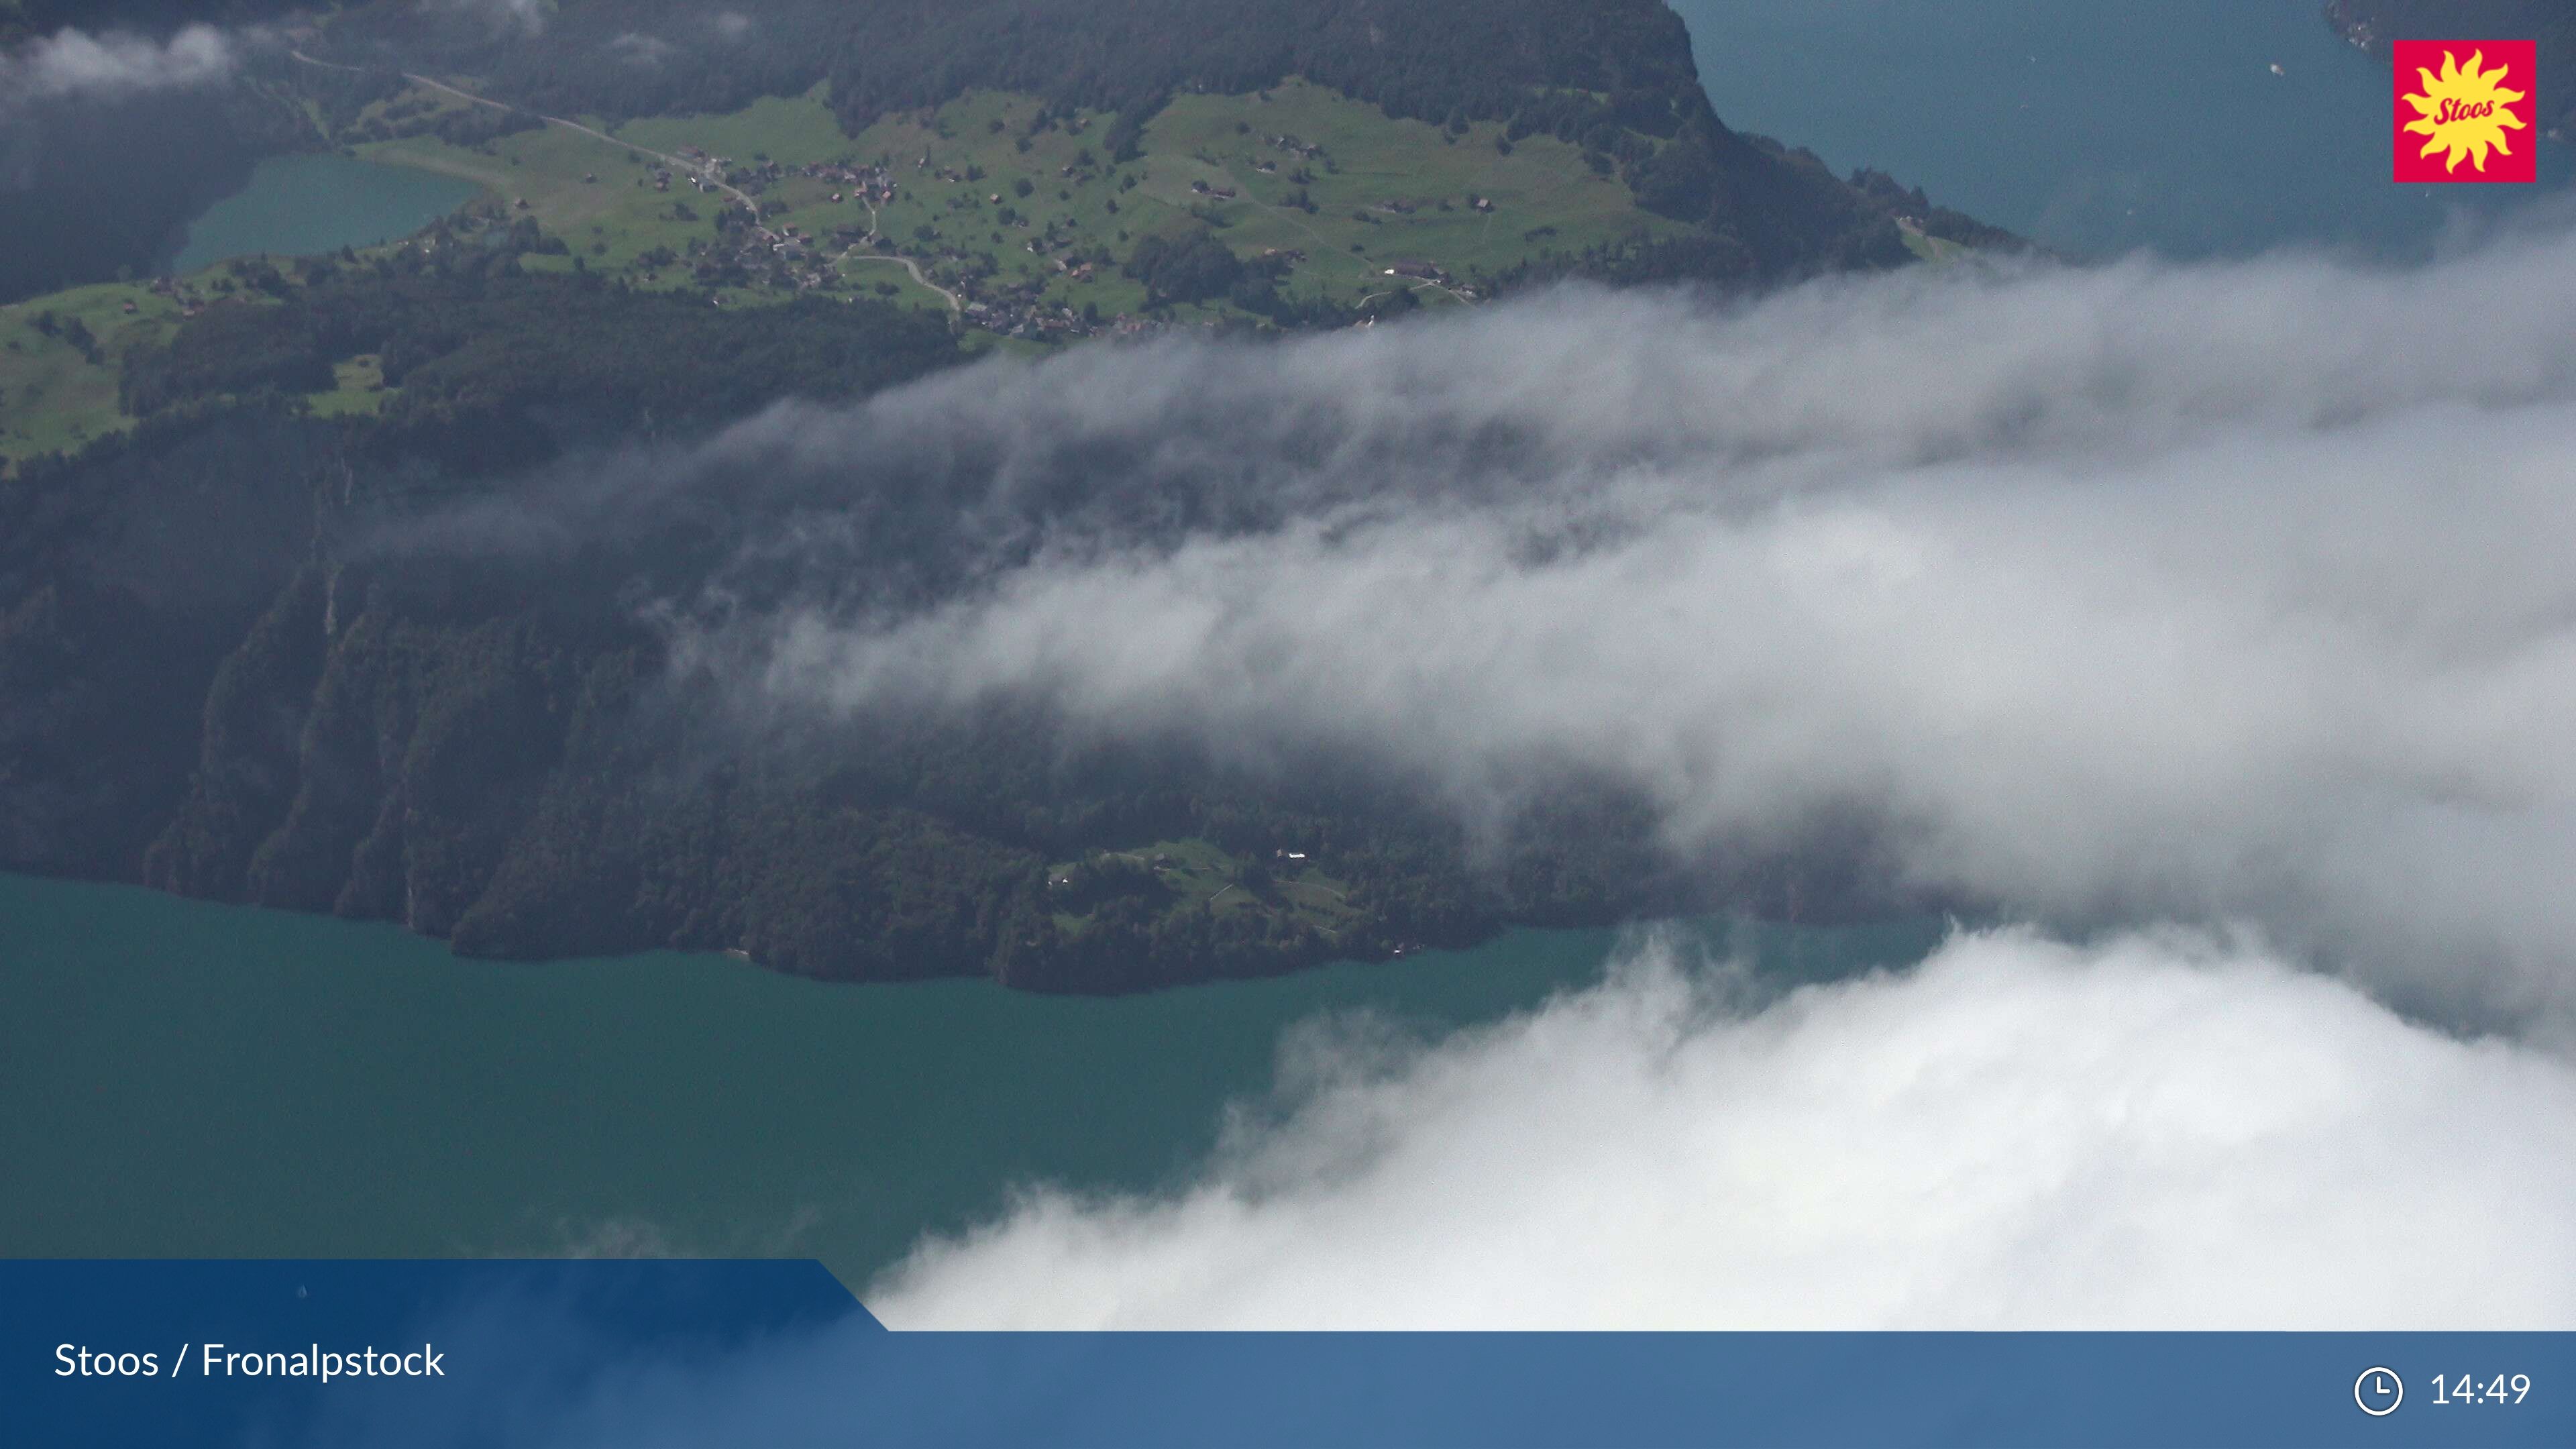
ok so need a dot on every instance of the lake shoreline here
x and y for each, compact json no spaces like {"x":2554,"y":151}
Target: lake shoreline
{"x":222,"y":1081}
{"x":313,"y":203}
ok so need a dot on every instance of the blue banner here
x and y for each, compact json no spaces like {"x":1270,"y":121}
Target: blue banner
{"x":642,"y":1353}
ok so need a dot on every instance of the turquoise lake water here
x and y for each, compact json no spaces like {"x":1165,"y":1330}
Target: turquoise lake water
{"x":301,"y":206}
{"x":178,"y":1078}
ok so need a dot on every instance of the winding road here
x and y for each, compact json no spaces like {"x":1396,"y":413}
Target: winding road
{"x":955,"y":303}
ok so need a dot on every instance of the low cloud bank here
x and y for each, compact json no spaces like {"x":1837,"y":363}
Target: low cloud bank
{"x":2213,"y":594}
{"x":2154,"y":1132}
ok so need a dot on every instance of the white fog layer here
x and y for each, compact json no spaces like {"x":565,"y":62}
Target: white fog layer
{"x":2155,"y":1133}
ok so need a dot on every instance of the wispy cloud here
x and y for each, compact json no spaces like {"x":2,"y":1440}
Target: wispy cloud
{"x":524,"y":17}
{"x":77,"y":63}
{"x":636,"y":48}
{"x":2231,"y":593}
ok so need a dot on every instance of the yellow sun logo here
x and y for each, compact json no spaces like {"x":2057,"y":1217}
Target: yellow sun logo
{"x":2464,"y":111}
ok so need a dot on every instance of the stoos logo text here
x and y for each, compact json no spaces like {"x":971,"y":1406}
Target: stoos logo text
{"x":2465,"y":110}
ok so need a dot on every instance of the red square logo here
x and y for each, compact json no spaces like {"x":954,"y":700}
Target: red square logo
{"x":2465,"y":110}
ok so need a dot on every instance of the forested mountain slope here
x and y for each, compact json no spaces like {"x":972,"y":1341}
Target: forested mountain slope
{"x":410,"y":666}
{"x":262,"y":638}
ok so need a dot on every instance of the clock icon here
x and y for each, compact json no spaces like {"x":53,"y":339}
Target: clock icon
{"x":2378,"y":1391}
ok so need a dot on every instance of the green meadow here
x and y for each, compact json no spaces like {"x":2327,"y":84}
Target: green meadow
{"x":995,"y":193}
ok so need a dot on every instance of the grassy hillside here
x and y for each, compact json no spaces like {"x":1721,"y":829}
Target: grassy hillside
{"x":1031,"y":221}
{"x":59,"y":361}
{"x":1326,"y":193}
{"x":1014,"y":208}
{"x":1185,"y":876}
{"x":62,"y":355}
